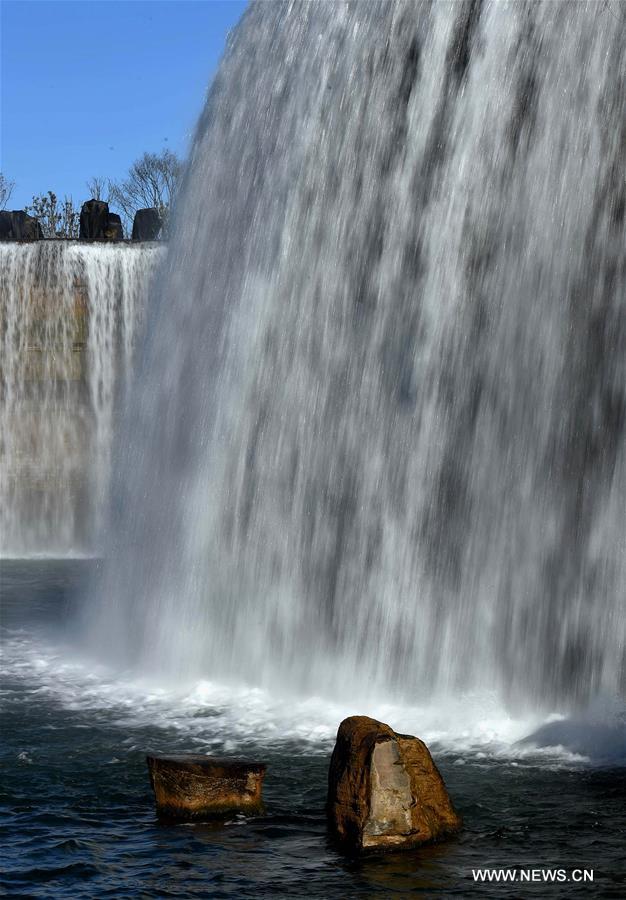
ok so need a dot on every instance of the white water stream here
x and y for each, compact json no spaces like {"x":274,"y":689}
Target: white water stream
{"x":68,"y":317}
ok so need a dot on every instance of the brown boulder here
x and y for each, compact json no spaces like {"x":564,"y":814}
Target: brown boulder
{"x":384,"y":790}
{"x":192,"y":787}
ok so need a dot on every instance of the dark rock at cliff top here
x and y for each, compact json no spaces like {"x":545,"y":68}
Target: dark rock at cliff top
{"x":19,"y":226}
{"x":146,"y":225}
{"x":94,"y":220}
{"x":114,"y":230}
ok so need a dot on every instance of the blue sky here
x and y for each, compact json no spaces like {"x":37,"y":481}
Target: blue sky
{"x":88,"y":85}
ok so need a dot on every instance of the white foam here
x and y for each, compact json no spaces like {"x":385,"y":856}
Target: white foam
{"x":230,"y":717}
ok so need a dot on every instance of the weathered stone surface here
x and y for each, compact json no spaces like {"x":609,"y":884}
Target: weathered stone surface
{"x":192,"y":787}
{"x":19,"y":226}
{"x":384,"y":790}
{"x":25,"y":227}
{"x":114,"y":230}
{"x":94,"y":220}
{"x":146,"y":225}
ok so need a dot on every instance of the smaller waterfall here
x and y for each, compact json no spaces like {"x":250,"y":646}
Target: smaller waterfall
{"x":68,"y":317}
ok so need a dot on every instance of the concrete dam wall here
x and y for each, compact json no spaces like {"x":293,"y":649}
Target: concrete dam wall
{"x":69,"y":315}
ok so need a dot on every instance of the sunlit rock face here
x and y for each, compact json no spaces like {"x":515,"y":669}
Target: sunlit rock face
{"x":68,"y":318}
{"x":193,"y":787}
{"x":384,"y":791}
{"x":378,"y":441}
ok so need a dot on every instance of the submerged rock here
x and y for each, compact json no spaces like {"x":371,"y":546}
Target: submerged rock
{"x":384,"y":790}
{"x":602,"y":742}
{"x":191,"y":787}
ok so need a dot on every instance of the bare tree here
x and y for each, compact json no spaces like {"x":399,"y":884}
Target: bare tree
{"x":57,"y":218}
{"x":6,"y":189}
{"x":151,"y":182}
{"x":99,"y":188}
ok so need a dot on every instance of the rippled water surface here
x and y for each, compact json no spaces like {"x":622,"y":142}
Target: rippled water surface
{"x":77,"y":811}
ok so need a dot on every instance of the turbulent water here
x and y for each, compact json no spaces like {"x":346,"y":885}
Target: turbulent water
{"x":77,"y":811}
{"x":68,"y":314}
{"x":378,"y":438}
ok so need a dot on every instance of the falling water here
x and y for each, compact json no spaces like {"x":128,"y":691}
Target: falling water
{"x":378,"y":439}
{"x":68,"y":315}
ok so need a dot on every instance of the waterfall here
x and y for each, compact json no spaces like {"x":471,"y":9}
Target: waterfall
{"x":377,"y":443}
{"x":68,"y":316}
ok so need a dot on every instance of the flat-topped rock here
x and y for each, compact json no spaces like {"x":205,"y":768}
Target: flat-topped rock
{"x":192,"y":787}
{"x":384,"y":790}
